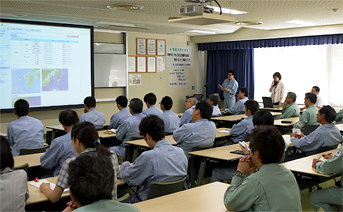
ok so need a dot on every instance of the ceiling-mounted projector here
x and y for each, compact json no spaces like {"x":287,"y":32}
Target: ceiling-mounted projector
{"x":199,"y":14}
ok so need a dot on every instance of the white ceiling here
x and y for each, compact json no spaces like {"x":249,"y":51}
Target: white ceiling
{"x":155,"y":14}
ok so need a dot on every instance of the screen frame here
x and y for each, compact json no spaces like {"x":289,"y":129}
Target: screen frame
{"x":91,"y":31}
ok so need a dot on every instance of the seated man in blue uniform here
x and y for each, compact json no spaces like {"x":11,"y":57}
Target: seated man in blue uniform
{"x":270,"y":187}
{"x":239,"y":130}
{"x":325,"y":198}
{"x":187,"y":115}
{"x":171,"y":120}
{"x":123,"y":113}
{"x":91,"y":115}
{"x":242,"y":97}
{"x":163,"y":163}
{"x":290,"y":108}
{"x":213,"y":100}
{"x":129,"y":127}
{"x":61,"y":148}
{"x":25,"y":132}
{"x":150,"y":101}
{"x":325,"y":135}
{"x":91,"y":181}
{"x":201,"y":133}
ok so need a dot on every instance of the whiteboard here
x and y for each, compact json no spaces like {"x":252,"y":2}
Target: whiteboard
{"x":109,"y":70}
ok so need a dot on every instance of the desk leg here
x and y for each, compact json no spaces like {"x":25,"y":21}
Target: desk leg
{"x":201,"y":171}
{"x":53,"y":135}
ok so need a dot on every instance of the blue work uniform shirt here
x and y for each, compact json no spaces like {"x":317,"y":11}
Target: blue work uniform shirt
{"x":60,"y":150}
{"x":129,"y":128}
{"x":239,"y":130}
{"x":25,"y":132}
{"x":95,"y":117}
{"x":324,"y":135}
{"x":118,"y":118}
{"x":163,"y":163}
{"x":187,"y":116}
{"x":171,"y":120}
{"x":152,"y":110}
{"x":238,"y":107}
{"x":200,"y":134}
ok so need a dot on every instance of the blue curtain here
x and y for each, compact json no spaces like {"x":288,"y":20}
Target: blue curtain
{"x":218,"y":64}
{"x":276,"y":42}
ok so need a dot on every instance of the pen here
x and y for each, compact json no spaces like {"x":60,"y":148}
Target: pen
{"x":325,"y":155}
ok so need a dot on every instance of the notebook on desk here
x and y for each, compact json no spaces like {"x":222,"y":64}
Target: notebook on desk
{"x":267,"y":102}
{"x":52,"y":185}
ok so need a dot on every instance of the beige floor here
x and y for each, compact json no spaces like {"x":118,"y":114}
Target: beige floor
{"x":305,"y":195}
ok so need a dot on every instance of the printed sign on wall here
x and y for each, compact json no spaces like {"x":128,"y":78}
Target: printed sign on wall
{"x":179,"y":56}
{"x":178,"y":77}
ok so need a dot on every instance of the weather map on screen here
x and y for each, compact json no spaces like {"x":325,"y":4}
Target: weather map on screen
{"x":48,"y":65}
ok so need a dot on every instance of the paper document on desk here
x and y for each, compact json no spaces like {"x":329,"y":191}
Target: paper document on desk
{"x":52,"y":185}
{"x":224,"y":131}
{"x":111,"y":131}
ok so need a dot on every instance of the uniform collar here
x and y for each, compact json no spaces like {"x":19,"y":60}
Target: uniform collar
{"x":162,"y":143}
{"x":89,"y":150}
{"x":92,"y":110}
{"x":6,"y":170}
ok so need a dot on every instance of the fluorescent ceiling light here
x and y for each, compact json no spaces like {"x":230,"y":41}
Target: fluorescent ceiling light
{"x":304,"y":23}
{"x":226,"y":10}
{"x":202,"y":32}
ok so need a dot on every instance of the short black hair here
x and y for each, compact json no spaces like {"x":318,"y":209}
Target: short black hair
{"x":136,"y":105}
{"x":205,"y":109}
{"x":262,"y":117}
{"x":277,"y":74}
{"x":292,"y":95}
{"x":90,"y":101}
{"x":311,"y":96}
{"x":268,"y":141}
{"x":252,"y":105}
{"x":150,"y":98}
{"x":87,"y":134}
{"x":68,"y":117}
{"x":91,"y":178}
{"x":232,"y":72}
{"x":316,"y":88}
{"x":167,"y":102}
{"x":245,"y":91}
{"x":122,"y":101}
{"x":214,"y":98}
{"x":6,"y":154}
{"x":330,"y":113}
{"x":21,"y":107}
{"x":152,"y":125}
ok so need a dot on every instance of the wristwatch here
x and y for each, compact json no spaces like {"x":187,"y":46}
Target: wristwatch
{"x":238,"y":173}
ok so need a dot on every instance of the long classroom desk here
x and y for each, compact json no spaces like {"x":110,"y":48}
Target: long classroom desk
{"x":340,"y":127}
{"x":279,"y":123}
{"x":3,"y":134}
{"x":141,"y":142}
{"x":304,"y":165}
{"x":237,"y":117}
{"x":36,"y":196}
{"x":32,"y":159}
{"x":208,"y":197}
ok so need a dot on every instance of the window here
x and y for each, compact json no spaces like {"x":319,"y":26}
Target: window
{"x":301,"y":67}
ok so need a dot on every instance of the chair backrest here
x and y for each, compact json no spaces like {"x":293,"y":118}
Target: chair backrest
{"x":169,"y":132}
{"x":136,"y":137}
{"x":157,"y":189}
{"x":247,"y":137}
{"x":27,"y":151}
{"x":310,"y":128}
{"x":25,"y":167}
{"x":124,"y":199}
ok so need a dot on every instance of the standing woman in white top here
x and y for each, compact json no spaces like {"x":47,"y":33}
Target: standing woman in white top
{"x":277,"y":89}
{"x":13,"y":183}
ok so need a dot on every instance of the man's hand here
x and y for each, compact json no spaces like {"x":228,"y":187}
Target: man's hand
{"x":314,"y":162}
{"x":246,"y":165}
{"x":225,"y":89}
{"x":44,"y":187}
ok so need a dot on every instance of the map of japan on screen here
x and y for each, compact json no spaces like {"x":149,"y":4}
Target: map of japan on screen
{"x":45,"y":65}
